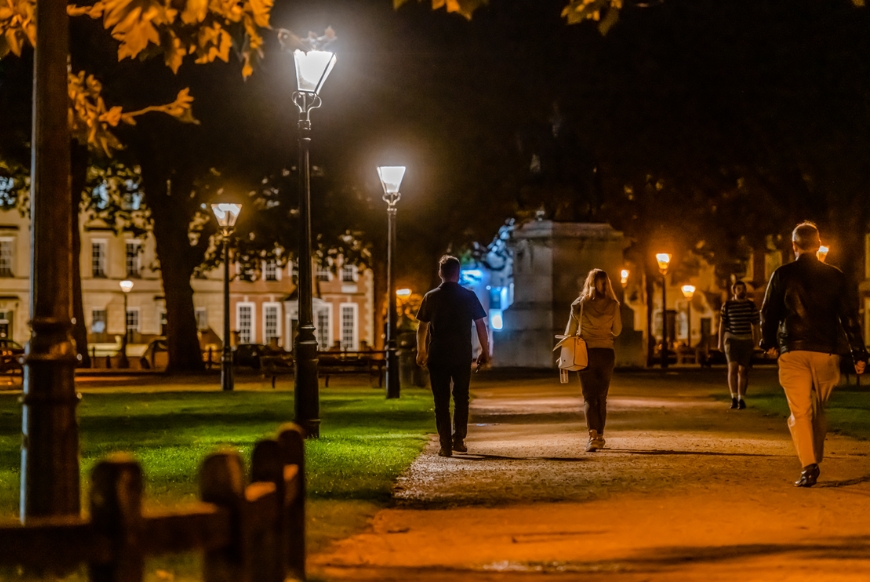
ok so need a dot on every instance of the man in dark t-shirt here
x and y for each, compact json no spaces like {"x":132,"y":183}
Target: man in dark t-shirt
{"x":444,"y":345}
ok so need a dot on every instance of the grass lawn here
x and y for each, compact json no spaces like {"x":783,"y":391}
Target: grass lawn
{"x":366,"y":442}
{"x":848,"y":409}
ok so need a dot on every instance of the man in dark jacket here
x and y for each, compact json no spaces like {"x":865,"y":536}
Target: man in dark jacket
{"x":444,"y":345}
{"x":804,"y":310}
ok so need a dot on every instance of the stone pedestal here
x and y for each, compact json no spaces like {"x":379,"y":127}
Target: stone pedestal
{"x":550,"y":263}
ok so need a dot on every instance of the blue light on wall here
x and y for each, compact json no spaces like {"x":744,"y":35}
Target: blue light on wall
{"x":496,"y":320}
{"x":470,"y":277}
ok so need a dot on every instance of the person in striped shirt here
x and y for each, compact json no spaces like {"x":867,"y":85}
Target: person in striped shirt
{"x":738,"y":332}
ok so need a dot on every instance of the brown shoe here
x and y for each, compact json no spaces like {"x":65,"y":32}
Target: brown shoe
{"x":594,"y":440}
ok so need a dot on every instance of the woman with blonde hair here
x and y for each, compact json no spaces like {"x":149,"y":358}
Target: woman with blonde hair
{"x":596,"y":315}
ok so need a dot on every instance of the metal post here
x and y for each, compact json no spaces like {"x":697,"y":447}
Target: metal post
{"x":227,"y":381}
{"x":306,"y":397}
{"x":123,"y":361}
{"x":393,"y":386}
{"x":50,"y":443}
{"x":689,"y":322}
{"x":664,"y":353}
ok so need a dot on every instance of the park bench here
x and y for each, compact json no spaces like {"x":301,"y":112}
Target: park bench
{"x":370,"y":362}
{"x":253,"y":533}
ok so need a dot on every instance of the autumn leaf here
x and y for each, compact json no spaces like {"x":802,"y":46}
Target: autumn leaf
{"x":464,"y":7}
{"x":194,"y":11}
{"x":17,"y":26}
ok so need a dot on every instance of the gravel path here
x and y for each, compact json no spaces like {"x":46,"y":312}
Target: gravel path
{"x":685,"y":490}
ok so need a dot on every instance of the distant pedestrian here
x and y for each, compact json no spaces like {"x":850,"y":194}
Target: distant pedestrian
{"x":596,"y":315}
{"x":804,"y":311}
{"x":444,"y":346}
{"x":738,"y":334}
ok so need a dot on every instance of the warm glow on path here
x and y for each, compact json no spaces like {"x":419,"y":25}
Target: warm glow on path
{"x":686,"y":490}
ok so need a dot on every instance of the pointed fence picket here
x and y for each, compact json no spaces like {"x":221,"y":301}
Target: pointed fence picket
{"x":247,"y":533}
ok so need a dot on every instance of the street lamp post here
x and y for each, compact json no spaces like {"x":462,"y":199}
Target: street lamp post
{"x":391,"y":179}
{"x":688,"y":293}
{"x":50,"y":438}
{"x":226,"y":215}
{"x":123,"y":362}
{"x":312,"y":69}
{"x":664,"y":259}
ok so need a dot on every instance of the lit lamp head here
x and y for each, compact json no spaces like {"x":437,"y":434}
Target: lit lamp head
{"x":403,"y":293}
{"x":312,"y":69}
{"x":663,"y":259}
{"x":822,"y":252}
{"x":623,"y":277}
{"x":391,"y":180}
{"x":226,"y":215}
{"x":126,"y":285}
{"x":688,"y":291}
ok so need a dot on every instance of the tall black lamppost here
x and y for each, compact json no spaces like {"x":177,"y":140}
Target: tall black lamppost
{"x":123,"y":362}
{"x":664,"y":259}
{"x":312,"y":68}
{"x":391,"y":179}
{"x":50,"y":440}
{"x":688,"y":293}
{"x":226,"y":215}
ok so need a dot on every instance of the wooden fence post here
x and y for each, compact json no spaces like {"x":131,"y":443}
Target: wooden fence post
{"x":267,"y":465}
{"x":291,"y":437}
{"x":116,"y":513}
{"x":222,"y":482}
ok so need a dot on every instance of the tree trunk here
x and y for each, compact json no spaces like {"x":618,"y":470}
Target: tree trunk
{"x":177,"y":263}
{"x":78,"y":179}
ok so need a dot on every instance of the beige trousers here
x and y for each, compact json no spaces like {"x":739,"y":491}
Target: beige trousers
{"x":808,"y":379}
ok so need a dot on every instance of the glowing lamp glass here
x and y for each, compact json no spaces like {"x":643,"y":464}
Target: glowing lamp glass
{"x":688,"y":291}
{"x":822,"y":252}
{"x":663,"y":259}
{"x":496,"y":319}
{"x":623,"y":276}
{"x":403,"y":292}
{"x":312,"y":69}
{"x":126,"y":285}
{"x":391,"y":178}
{"x":226,"y":214}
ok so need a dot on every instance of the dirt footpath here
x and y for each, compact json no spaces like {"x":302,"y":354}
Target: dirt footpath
{"x":685,"y":490}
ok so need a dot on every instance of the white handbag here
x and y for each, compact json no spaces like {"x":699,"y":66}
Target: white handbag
{"x":573,"y":355}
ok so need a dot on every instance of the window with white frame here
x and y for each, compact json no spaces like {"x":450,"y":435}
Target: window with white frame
{"x":324,"y":327}
{"x":201,"y":318}
{"x":99,"y":320}
{"x":245,"y":322}
{"x":132,"y":321}
{"x":349,"y":332}
{"x":133,"y":259}
{"x":7,"y":246}
{"x":99,"y":258}
{"x":323,"y":273}
{"x":271,"y":322}
{"x":348,"y":273}
{"x":270,"y":270}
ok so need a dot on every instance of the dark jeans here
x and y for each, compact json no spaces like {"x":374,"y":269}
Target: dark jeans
{"x":442,"y":374}
{"x":595,"y":382}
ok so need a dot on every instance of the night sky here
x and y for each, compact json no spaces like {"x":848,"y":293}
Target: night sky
{"x":700,"y":93}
